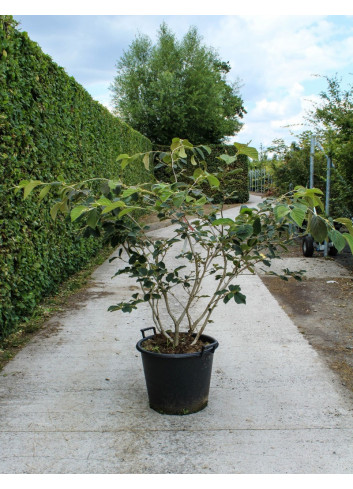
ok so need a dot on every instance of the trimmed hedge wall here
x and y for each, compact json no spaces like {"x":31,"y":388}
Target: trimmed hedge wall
{"x":50,"y":128}
{"x":229,"y":182}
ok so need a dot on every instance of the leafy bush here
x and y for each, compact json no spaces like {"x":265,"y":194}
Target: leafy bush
{"x":214,"y":245}
{"x":293,"y":168}
{"x":50,"y":128}
{"x":233,"y":177}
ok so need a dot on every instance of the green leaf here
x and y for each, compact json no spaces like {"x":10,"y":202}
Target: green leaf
{"x":212,"y":180}
{"x":146,"y":161}
{"x":309,"y":196}
{"x":124,"y":163}
{"x":317,"y":228}
{"x":207,"y":148}
{"x":257,"y":226}
{"x":280,"y":211}
{"x":349,"y":239}
{"x":234,"y":288}
{"x":21,"y":184}
{"x":169,"y":277}
{"x":227,"y":298}
{"x":122,"y":157}
{"x":244,"y":231}
{"x":337,"y":239}
{"x":244,"y":149}
{"x":127,"y":210}
{"x":246,"y":210}
{"x":347,"y":223}
{"x":298,"y":215}
{"x":112,"y":206}
{"x":198,"y":150}
{"x":175,"y":143}
{"x":104,"y":201}
{"x":129,"y":191}
{"x":182,"y":152}
{"x":54,"y":210}
{"x":63,"y":206}
{"x":239,"y":298}
{"x":92,"y":219}
{"x":77,"y":211}
{"x":178,"y":199}
{"x":221,"y":292}
{"x":29,"y":187}
{"x":44,"y":192}
{"x":167,"y":158}
{"x":223,"y":221}
{"x":113,"y":184}
{"x":235,"y":171}
{"x":227,"y":159}
{"x":165,"y":194}
{"x":299,"y":189}
{"x":187,"y":144}
{"x":193,"y":161}
{"x":201,"y":201}
{"x":197,"y":173}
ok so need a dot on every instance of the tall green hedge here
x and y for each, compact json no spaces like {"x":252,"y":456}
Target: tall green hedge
{"x":234,"y":183}
{"x":50,"y":128}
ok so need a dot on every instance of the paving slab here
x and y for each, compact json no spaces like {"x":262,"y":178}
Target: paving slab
{"x":315,"y":267}
{"x":74,"y":400}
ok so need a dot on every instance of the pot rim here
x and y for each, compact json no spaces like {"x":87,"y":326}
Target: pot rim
{"x":207,"y":349}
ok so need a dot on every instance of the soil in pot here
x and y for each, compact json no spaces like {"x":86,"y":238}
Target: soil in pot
{"x":158,"y":343}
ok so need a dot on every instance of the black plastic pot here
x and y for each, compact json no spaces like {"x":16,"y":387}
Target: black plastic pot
{"x":178,"y":383}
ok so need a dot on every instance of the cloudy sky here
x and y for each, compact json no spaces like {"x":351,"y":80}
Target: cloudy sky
{"x":276,"y":57}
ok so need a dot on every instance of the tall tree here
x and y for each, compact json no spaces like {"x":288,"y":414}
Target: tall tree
{"x":176,"y":89}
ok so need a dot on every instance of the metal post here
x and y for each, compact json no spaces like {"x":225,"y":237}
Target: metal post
{"x":312,"y":151}
{"x":327,"y":203}
{"x":328,"y":185}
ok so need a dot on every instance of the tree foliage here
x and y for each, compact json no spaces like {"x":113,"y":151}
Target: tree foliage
{"x":231,"y":169}
{"x":290,"y":165}
{"x":176,"y":87}
{"x":333,"y":121}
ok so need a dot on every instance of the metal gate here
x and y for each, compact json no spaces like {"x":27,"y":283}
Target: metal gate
{"x":259,"y":180}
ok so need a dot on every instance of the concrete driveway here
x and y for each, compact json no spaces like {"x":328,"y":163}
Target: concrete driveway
{"x":74,"y":400}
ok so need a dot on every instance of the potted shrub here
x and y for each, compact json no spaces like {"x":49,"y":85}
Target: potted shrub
{"x":177,"y":357}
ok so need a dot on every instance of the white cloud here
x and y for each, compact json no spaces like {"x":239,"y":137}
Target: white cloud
{"x":275,"y":56}
{"x":278,"y":51}
{"x":278,"y":119}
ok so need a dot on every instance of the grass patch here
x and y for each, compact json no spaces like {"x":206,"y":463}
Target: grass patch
{"x":10,"y":345}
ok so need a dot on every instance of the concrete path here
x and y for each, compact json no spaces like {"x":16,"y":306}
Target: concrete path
{"x":74,"y":400}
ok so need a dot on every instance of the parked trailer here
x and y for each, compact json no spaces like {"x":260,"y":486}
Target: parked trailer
{"x":309,"y":246}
